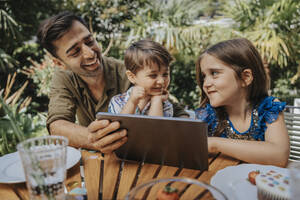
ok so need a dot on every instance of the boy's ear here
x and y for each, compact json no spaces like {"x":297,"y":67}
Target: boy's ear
{"x":247,"y":77}
{"x":130,"y":76}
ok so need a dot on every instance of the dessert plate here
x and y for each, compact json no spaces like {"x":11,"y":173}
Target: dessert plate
{"x":11,"y":169}
{"x":233,"y":180}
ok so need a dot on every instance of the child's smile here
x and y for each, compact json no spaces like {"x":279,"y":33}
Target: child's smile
{"x":155,"y":80}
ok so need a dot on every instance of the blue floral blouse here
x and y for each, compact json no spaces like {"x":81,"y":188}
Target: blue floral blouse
{"x":265,"y":112}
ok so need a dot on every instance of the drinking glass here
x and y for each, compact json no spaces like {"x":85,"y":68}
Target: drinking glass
{"x":294,"y":171}
{"x":44,"y":164}
{"x":187,"y":188}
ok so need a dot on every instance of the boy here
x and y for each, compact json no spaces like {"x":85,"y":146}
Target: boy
{"x":147,"y":68}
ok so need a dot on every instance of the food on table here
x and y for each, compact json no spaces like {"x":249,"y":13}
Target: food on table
{"x":272,"y":186}
{"x":168,"y":193}
{"x":252,"y":175}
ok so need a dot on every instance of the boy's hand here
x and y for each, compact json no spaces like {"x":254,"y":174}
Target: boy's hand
{"x":160,"y":98}
{"x":137,"y":93}
{"x":165,"y":95}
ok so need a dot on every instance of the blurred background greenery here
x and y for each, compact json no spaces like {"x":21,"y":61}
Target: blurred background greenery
{"x":185,"y":27}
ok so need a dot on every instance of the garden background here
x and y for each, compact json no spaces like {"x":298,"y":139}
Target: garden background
{"x":184,"y":27}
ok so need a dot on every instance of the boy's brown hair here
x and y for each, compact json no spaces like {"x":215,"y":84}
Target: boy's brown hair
{"x":145,"y":53}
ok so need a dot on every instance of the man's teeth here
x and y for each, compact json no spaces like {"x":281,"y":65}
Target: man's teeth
{"x":90,"y":64}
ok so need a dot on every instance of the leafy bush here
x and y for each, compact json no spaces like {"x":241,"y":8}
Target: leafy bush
{"x":284,"y":92}
{"x":41,"y":74}
{"x":16,"y":124}
{"x":183,"y":82}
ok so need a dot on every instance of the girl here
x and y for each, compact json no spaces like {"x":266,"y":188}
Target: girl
{"x":243,"y":120}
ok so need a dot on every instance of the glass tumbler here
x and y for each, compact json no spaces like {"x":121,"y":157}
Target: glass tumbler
{"x":186,"y":188}
{"x":44,"y":164}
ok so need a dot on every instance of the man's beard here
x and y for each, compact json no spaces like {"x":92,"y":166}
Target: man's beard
{"x":93,"y":73}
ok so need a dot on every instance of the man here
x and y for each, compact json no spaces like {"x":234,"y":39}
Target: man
{"x":84,"y":86}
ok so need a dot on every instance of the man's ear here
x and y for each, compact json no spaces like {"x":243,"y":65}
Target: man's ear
{"x":58,"y":62}
{"x":247,"y":77}
{"x":130,"y":76}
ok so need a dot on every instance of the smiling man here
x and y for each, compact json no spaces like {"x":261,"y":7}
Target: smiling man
{"x":83,"y":86}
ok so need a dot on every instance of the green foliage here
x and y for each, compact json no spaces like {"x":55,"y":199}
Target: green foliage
{"x":29,"y":13}
{"x":106,"y":17}
{"x":6,"y":61}
{"x":164,"y":22}
{"x":284,"y":89}
{"x":41,"y":74}
{"x":26,"y":52}
{"x":273,"y":26}
{"x":16,"y":124}
{"x":183,"y":82}
{"x":8,"y":30}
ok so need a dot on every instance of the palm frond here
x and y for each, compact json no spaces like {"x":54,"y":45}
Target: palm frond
{"x":12,"y":119}
{"x":8,"y":24}
{"x":6,"y":61}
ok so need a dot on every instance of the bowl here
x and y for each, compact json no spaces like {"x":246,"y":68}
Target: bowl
{"x":187,"y":188}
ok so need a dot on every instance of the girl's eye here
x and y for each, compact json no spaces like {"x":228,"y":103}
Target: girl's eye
{"x":214,"y":73}
{"x":166,"y":74}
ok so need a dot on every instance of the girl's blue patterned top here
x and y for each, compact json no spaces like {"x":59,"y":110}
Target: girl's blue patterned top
{"x":265,"y":112}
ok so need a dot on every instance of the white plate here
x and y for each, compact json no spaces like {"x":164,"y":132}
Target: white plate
{"x":11,"y":169}
{"x":233,"y":180}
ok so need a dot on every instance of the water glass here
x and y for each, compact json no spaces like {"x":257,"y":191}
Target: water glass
{"x":294,"y":171}
{"x":44,"y":164}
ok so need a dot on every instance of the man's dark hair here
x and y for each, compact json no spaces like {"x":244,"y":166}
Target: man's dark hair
{"x":54,"y":28}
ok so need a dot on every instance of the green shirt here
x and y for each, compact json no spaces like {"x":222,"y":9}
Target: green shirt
{"x":70,"y":96}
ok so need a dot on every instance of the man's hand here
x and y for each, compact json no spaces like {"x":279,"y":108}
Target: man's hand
{"x":105,"y":137}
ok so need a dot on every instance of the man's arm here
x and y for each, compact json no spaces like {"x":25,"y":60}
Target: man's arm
{"x":99,"y":135}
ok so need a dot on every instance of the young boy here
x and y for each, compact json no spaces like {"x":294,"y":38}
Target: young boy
{"x":147,"y":63}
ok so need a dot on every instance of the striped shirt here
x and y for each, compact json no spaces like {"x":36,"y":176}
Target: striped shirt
{"x":117,"y":103}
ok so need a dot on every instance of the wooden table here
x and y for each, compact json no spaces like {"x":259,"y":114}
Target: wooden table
{"x":117,"y":177}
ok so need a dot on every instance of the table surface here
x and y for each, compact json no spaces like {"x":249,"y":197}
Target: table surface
{"x":106,"y":177}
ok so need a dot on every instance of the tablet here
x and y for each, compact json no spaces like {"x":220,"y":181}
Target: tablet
{"x":178,"y":142}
